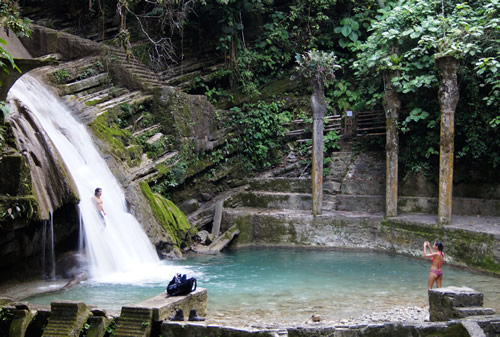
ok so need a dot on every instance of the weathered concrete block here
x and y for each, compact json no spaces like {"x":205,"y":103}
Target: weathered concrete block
{"x":98,"y":326}
{"x":67,"y":318}
{"x":169,"y":329}
{"x":20,"y":322}
{"x":164,"y":306}
{"x":134,"y":321}
{"x":443,"y":301}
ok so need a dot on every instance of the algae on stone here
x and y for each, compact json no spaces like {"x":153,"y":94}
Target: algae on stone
{"x":170,"y":217}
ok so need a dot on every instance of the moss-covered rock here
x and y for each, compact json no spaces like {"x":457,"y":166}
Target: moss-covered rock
{"x":116,"y":139}
{"x":170,"y":217}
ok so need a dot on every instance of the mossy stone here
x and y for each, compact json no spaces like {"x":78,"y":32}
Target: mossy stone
{"x":171,"y":218}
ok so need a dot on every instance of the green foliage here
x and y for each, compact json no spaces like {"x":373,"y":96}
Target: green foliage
{"x":94,"y":70}
{"x":172,"y":178}
{"x":350,"y":30}
{"x":415,"y":115}
{"x":407,"y":37}
{"x":61,"y":76}
{"x":331,"y":141}
{"x":110,"y":329}
{"x":85,"y":330}
{"x":6,"y":316}
{"x":10,"y":20}
{"x":315,"y":64}
{"x":260,"y":131}
{"x":16,"y":208}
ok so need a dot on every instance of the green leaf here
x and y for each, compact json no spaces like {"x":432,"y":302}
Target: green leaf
{"x":346,"y":30}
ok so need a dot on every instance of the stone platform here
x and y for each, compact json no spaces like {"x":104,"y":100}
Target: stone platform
{"x":164,"y":306}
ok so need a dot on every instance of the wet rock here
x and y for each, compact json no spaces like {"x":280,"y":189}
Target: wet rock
{"x":316,"y":318}
{"x":205,"y":196}
{"x":80,"y":277}
{"x":189,"y":206}
{"x":204,"y":237}
{"x":70,"y":264}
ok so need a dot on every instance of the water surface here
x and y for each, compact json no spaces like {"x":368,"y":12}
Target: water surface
{"x":289,"y":285}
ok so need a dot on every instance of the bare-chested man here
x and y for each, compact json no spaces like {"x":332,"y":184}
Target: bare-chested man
{"x":98,"y":201}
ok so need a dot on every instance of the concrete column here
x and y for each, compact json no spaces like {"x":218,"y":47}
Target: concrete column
{"x":448,"y":99}
{"x":318,"y":105}
{"x":392,"y":106}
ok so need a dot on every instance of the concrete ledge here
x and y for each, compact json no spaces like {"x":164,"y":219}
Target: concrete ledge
{"x":473,"y":311}
{"x":164,"y":306}
{"x":428,"y":205}
{"x":169,"y":329}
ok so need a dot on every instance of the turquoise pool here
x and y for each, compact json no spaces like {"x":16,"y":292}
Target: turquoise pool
{"x":292,"y":284}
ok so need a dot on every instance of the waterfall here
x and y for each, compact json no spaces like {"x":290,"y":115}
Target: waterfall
{"x":117,"y":248}
{"x":52,"y":270}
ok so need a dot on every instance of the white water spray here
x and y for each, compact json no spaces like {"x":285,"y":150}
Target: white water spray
{"x":119,"y":250}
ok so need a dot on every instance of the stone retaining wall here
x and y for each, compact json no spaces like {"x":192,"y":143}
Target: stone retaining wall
{"x":480,"y":250}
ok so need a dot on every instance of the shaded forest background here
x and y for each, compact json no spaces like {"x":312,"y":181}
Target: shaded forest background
{"x":253,"y":43}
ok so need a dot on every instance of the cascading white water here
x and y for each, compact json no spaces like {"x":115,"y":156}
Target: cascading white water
{"x":119,"y":250}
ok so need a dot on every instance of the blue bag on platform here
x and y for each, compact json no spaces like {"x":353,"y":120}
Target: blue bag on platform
{"x":181,"y":285}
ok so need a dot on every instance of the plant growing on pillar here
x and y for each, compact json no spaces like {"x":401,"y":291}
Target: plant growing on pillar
{"x":318,"y":67}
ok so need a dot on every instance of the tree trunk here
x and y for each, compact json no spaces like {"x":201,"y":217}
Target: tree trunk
{"x":392,"y":106}
{"x":318,"y":105}
{"x":448,"y":99}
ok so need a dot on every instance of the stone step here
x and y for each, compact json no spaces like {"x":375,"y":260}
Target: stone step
{"x":361,"y":203}
{"x":125,"y":98}
{"x":134,"y":321}
{"x":87,"y":83}
{"x":140,"y":132}
{"x":102,"y":94}
{"x":136,"y":99}
{"x":473,"y":311}
{"x":270,"y":200}
{"x":148,"y":168}
{"x":292,"y":185}
{"x":67,"y":319}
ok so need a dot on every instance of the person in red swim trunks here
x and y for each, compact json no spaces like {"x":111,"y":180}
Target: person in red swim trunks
{"x":436,"y":253}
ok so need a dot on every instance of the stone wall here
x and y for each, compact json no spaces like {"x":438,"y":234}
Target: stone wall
{"x":45,"y":41}
{"x":478,"y":250}
{"x":363,"y":189}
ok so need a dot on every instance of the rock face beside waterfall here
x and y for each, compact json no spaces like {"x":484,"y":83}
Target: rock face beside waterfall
{"x":51,"y":181}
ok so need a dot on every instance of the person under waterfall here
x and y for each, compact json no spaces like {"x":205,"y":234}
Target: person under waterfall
{"x":436,"y":273}
{"x":98,"y":202}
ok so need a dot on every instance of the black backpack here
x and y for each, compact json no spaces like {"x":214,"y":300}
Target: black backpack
{"x":181,"y":285}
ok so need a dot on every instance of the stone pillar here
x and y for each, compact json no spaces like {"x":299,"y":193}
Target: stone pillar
{"x":448,"y":99}
{"x":392,"y":105}
{"x":318,"y":104}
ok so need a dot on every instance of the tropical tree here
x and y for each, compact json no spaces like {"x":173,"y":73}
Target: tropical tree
{"x":434,"y":40}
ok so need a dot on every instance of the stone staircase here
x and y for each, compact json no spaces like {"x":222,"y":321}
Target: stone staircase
{"x":185,"y":74}
{"x":85,"y":85}
{"x":67,"y":319}
{"x":278,"y":194}
{"x":137,"y":70}
{"x":134,"y":322}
